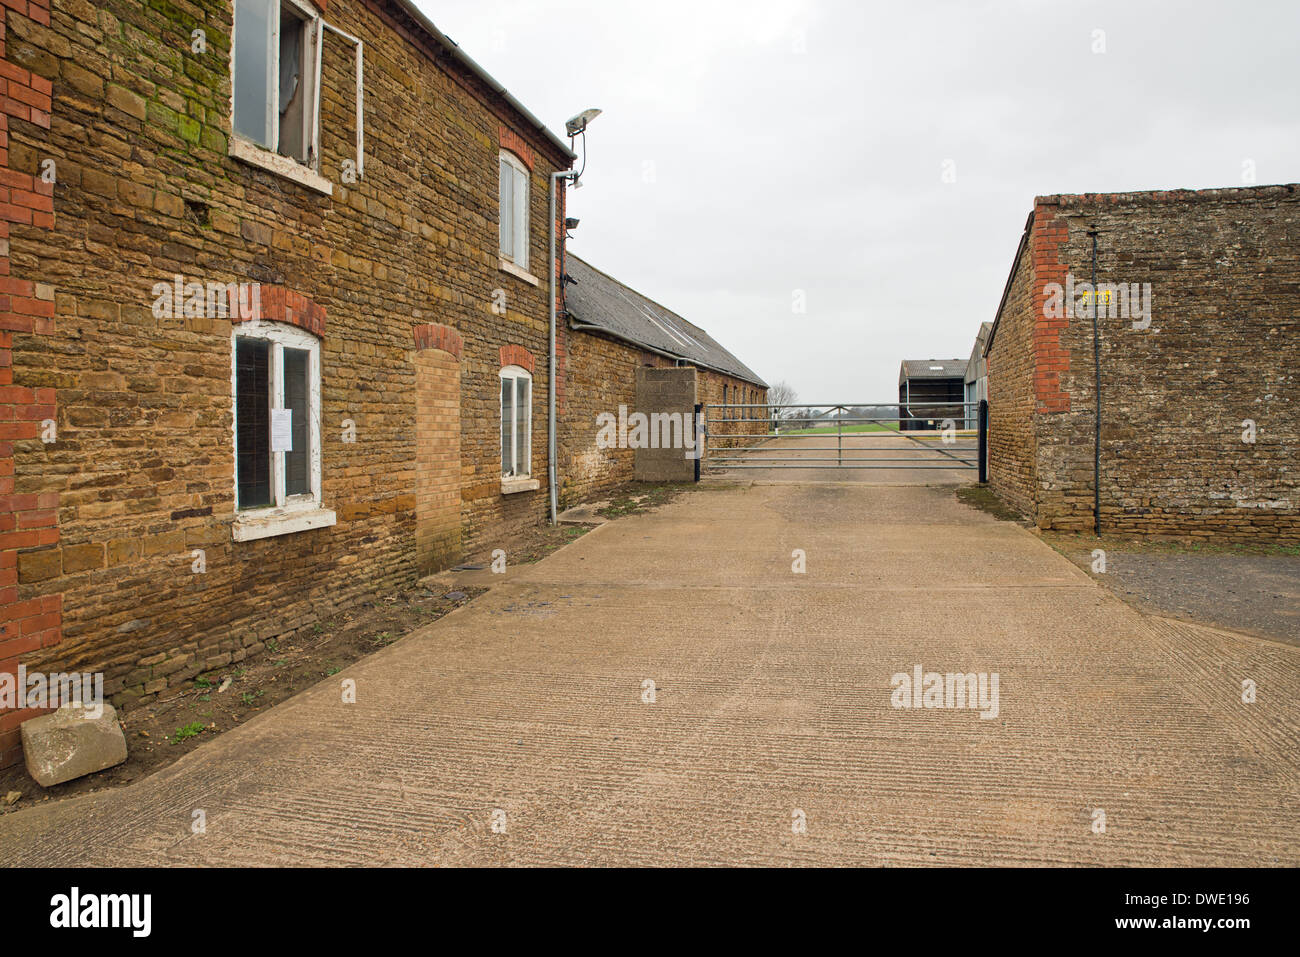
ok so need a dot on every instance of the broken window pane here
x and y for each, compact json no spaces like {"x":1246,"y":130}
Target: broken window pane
{"x":293,"y":110}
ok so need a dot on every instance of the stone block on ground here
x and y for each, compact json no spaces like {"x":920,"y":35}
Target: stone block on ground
{"x":69,"y":744}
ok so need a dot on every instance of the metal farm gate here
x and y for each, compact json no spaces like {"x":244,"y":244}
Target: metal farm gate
{"x":908,"y":435}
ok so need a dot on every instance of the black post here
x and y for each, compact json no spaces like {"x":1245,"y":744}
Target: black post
{"x":984,"y":439}
{"x":699,"y":448}
{"x":1096,"y":369}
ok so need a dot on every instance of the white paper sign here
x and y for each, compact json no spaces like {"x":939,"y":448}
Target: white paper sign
{"x":282,"y":430}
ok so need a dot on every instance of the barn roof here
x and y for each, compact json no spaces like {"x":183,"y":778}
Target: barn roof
{"x":599,"y":300}
{"x":932,"y":369}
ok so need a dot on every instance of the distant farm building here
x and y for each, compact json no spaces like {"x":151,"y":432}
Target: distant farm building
{"x":929,"y":391}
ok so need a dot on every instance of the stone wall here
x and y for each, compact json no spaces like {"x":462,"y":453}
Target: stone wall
{"x":1012,"y":448}
{"x":140,"y":475}
{"x":1182,"y":382}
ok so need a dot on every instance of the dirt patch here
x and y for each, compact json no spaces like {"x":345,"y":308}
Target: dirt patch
{"x":189,"y":716}
{"x":526,"y":547}
{"x":981,"y":497}
{"x":1253,"y":589}
{"x":637,"y":497}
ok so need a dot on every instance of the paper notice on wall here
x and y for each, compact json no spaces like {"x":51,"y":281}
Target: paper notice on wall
{"x":282,"y":430}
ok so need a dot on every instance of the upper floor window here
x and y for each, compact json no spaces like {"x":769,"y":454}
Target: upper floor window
{"x":274,"y":66}
{"x":514,"y":210}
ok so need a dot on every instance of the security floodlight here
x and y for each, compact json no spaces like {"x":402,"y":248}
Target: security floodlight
{"x":571,"y":223}
{"x":579,"y":123}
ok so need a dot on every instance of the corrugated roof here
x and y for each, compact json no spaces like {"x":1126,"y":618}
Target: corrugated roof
{"x":596,"y":299}
{"x":975,"y":365}
{"x":932,"y":369}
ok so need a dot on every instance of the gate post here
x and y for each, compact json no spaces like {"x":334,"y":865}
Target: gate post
{"x":699,"y":440}
{"x":984,"y":440}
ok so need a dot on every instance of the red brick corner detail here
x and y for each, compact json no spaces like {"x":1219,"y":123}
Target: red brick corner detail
{"x":434,"y":335}
{"x":279,"y":304}
{"x":517,"y":356}
{"x":28,"y":522}
{"x":1051,"y":357}
{"x":512,"y":141}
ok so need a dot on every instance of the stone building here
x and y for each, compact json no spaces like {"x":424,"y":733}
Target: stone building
{"x":1197,"y":301}
{"x":611,"y":331}
{"x":271,"y":272}
{"x":273,"y":327}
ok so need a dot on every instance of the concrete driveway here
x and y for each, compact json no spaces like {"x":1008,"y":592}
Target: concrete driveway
{"x":771,"y":738}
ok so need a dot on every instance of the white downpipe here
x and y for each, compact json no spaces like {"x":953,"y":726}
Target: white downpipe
{"x":550,"y":378}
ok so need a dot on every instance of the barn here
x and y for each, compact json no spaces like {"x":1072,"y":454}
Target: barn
{"x":929,"y":391}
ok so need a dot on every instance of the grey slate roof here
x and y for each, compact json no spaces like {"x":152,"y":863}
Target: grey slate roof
{"x":932,"y":369}
{"x":595,"y":299}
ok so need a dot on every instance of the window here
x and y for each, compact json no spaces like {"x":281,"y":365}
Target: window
{"x":274,"y":67}
{"x":516,"y":422}
{"x":514,"y":210}
{"x":276,"y":370}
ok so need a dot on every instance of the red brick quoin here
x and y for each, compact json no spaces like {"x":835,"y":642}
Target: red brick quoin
{"x":435,"y":336}
{"x":517,"y":356}
{"x":1051,"y":357}
{"x":27,"y":522}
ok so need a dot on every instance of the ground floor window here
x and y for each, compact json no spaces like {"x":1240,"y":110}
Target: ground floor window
{"x":516,"y":422}
{"x":277,"y":416}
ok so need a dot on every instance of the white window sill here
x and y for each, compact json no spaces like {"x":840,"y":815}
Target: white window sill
{"x":254,"y":155}
{"x":509,"y":486}
{"x":267,"y":523}
{"x":505,"y":265}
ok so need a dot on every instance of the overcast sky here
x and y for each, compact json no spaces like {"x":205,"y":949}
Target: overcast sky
{"x":756,"y":149}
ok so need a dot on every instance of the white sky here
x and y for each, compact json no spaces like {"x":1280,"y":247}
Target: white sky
{"x":750,"y":149}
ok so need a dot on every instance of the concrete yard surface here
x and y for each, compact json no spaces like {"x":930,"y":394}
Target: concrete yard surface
{"x":522,"y":728}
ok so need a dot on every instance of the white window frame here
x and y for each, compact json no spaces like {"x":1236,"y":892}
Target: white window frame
{"x":287,"y":513}
{"x":517,"y":257}
{"x":516,"y":373}
{"x":263,"y":155}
